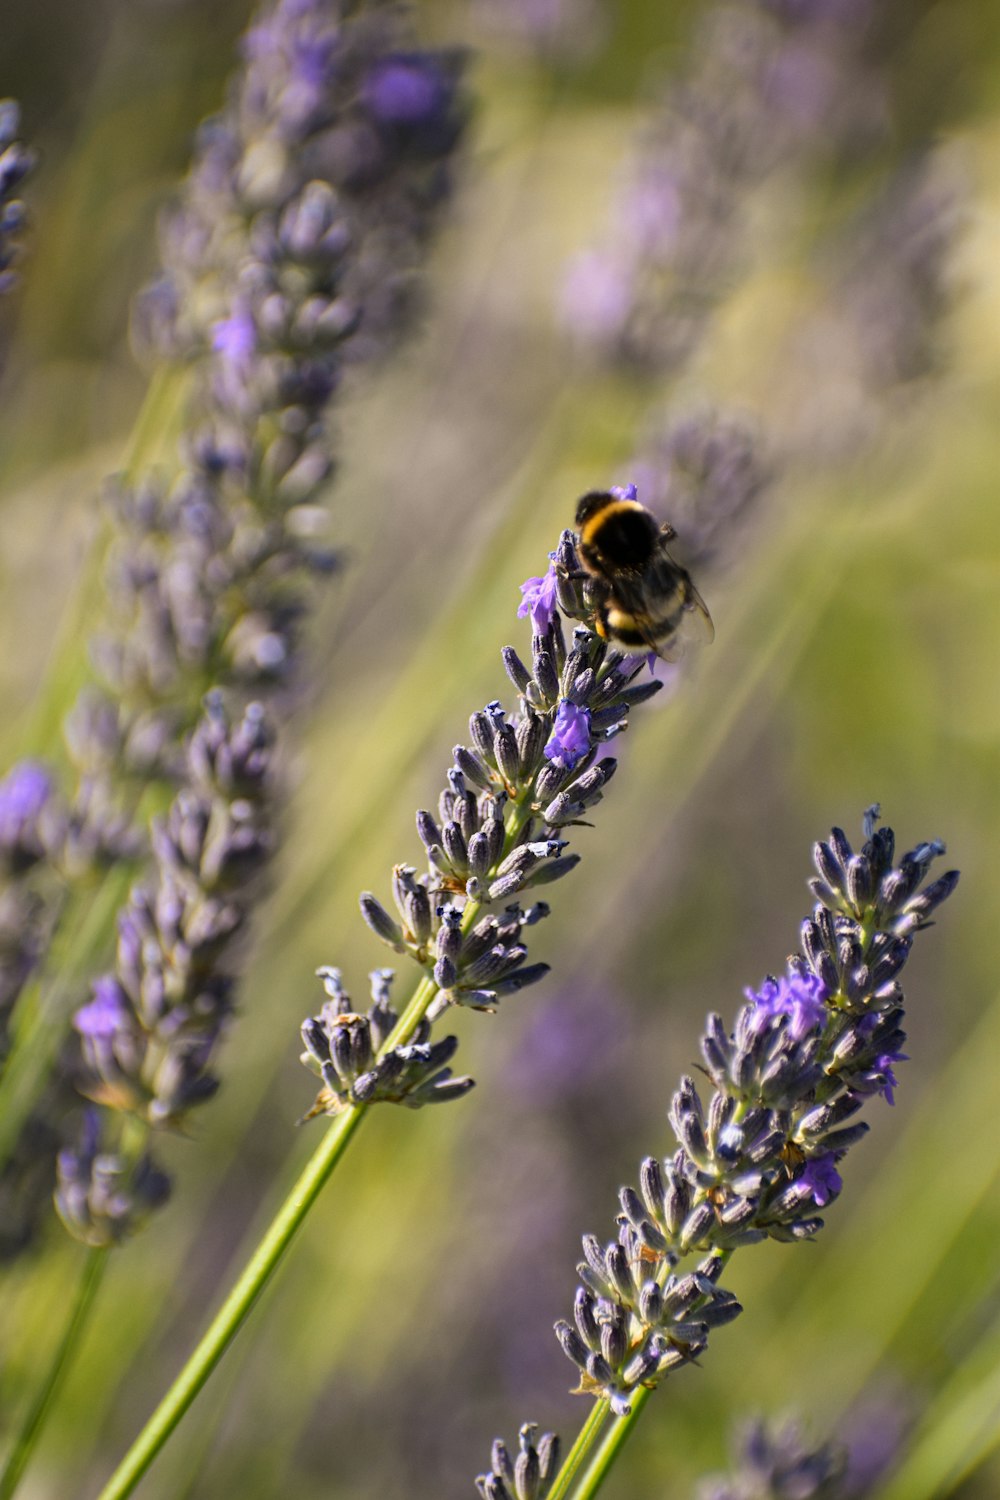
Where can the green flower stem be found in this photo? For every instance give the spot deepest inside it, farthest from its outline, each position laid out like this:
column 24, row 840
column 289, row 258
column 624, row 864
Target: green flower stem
column 575, row 1458
column 94, row 1267
column 231, row 1315
column 614, row 1440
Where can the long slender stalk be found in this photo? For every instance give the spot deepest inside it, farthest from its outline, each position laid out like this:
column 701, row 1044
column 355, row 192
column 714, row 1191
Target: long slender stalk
column 612, row 1444
column 577, row 1455
column 91, row 1277
column 234, row 1310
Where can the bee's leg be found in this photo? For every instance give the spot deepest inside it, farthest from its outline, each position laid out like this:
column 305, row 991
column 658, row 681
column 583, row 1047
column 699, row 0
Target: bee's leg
column 667, row 532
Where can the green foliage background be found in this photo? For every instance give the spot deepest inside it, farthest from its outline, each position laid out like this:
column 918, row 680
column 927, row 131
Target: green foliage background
column 856, row 659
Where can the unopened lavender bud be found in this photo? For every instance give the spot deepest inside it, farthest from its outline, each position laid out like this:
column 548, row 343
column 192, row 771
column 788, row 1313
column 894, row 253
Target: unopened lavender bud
column 505, row 751
column 546, row 676
column 428, row 829
column 860, row 886
column 481, row 733
column 552, row 870
column 380, row 922
column 515, row 668
column 472, row 767
column 445, row 974
column 455, row 848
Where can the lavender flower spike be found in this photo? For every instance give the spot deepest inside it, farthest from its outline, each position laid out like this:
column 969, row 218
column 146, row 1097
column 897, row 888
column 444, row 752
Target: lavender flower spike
column 500, row 832
column 762, row 1154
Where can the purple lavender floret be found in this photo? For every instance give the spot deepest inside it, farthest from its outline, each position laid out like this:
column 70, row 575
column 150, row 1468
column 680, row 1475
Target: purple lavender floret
column 103, row 1016
column 539, row 598
column 795, row 996
column 821, row 1179
column 569, row 741
column 762, row 1154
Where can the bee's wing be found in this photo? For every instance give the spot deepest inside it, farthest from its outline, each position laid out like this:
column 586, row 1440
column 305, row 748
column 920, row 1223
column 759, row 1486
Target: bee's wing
column 696, row 612
column 672, row 599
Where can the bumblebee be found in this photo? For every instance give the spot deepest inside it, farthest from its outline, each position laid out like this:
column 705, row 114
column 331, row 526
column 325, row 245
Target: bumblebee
column 646, row 600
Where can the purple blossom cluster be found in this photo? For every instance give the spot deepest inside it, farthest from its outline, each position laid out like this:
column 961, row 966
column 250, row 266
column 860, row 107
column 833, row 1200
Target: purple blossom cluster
column 16, row 161
column 762, row 1155
column 501, row 828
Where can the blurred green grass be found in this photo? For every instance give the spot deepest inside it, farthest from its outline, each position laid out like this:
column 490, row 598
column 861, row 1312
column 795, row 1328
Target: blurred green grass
column 856, row 658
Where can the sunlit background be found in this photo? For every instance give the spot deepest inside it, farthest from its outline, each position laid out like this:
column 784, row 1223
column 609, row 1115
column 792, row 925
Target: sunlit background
column 856, row 600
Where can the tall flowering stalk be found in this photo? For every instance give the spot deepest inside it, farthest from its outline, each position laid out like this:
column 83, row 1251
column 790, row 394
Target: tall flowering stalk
column 501, row 831
column 762, row 1154
column 291, row 257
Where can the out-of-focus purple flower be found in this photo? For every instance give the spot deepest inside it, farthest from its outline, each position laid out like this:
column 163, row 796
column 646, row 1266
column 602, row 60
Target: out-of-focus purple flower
column 24, row 791
column 26, row 797
column 539, row 599
column 106, row 1012
column 570, row 738
column 413, row 91
column 235, row 337
column 822, row 1179
column 799, row 996
column 101, row 1196
column 625, row 491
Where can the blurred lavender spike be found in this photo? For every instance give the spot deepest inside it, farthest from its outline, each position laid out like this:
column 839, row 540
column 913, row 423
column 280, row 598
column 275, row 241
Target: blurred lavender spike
column 775, row 1461
column 762, row 1154
column 768, row 84
column 151, row 1030
column 16, row 161
column 291, row 257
